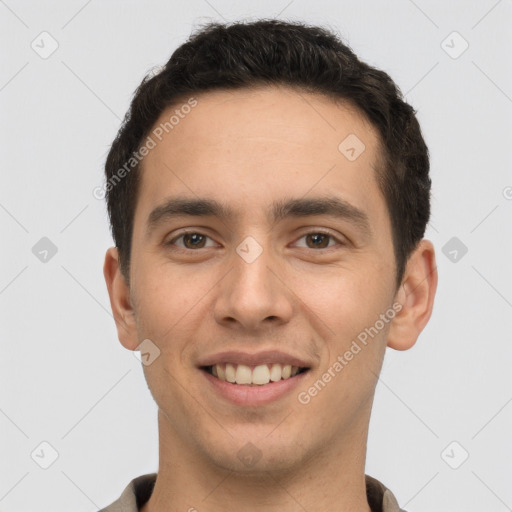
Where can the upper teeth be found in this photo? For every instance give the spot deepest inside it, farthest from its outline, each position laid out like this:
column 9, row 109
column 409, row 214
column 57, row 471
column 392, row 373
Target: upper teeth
column 260, row 375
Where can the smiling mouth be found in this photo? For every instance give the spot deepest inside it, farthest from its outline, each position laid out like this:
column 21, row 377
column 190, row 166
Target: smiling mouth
column 260, row 375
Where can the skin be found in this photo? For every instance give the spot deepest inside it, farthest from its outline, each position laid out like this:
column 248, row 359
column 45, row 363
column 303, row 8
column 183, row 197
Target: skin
column 249, row 148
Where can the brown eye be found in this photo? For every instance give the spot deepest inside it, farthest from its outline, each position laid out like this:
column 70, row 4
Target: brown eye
column 319, row 240
column 194, row 239
column 190, row 240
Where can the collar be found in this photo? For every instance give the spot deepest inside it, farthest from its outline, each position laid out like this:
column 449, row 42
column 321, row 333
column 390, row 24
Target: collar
column 139, row 490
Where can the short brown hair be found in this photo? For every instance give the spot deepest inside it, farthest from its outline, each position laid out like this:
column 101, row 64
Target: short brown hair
column 242, row 55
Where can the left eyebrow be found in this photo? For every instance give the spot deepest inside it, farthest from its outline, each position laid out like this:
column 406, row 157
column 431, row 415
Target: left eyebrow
column 332, row 206
column 279, row 210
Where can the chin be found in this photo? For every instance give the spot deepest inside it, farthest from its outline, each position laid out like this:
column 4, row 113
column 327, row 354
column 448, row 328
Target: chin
column 253, row 455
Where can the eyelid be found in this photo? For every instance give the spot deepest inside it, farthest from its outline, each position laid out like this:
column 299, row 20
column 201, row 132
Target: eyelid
column 187, row 232
column 323, row 231
column 315, row 231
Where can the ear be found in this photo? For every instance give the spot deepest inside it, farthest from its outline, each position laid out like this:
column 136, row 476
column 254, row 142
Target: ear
column 416, row 296
column 120, row 302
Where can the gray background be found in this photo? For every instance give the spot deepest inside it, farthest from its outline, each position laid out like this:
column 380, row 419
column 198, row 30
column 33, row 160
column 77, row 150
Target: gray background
column 65, row 378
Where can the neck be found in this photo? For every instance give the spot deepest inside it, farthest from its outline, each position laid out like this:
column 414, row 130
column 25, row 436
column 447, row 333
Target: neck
column 332, row 479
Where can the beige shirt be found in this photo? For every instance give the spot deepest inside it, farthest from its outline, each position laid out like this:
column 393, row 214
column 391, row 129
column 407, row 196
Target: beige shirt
column 139, row 490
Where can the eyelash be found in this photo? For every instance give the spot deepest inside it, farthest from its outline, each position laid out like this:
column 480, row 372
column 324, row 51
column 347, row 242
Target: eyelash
column 315, row 232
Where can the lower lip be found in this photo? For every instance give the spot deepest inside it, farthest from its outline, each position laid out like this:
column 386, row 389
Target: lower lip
column 254, row 395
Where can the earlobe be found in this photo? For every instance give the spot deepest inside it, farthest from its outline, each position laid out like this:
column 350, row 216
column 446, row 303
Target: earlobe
column 120, row 301
column 416, row 297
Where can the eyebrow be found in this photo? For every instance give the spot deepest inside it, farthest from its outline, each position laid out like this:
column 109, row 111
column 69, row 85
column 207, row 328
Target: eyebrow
column 279, row 210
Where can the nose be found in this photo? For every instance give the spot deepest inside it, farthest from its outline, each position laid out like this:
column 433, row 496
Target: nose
column 254, row 294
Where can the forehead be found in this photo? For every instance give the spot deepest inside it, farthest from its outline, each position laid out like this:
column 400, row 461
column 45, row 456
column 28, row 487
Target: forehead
column 252, row 147
column 270, row 117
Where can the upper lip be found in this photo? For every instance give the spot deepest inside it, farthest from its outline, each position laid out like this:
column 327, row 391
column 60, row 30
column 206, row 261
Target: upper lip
column 255, row 359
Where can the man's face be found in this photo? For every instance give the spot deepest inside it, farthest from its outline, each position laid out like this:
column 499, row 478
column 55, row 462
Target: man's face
column 303, row 285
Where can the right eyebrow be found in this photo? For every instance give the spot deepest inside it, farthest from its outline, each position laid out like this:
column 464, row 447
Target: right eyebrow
column 181, row 207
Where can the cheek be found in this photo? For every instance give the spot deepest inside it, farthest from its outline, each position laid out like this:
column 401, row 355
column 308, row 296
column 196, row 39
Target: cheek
column 171, row 304
column 355, row 345
column 347, row 300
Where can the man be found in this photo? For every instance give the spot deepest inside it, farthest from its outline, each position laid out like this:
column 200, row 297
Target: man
column 268, row 195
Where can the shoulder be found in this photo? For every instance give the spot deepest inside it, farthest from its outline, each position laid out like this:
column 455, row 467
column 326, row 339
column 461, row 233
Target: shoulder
column 380, row 498
column 136, row 494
